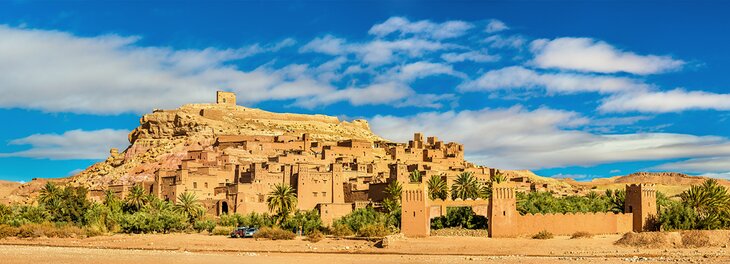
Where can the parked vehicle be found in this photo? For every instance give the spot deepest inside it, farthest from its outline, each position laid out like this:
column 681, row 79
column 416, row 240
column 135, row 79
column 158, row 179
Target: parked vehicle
column 239, row 232
column 250, row 232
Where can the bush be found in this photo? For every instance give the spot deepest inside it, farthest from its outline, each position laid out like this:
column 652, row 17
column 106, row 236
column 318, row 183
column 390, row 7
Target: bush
column 222, row 230
column 315, row 236
column 274, row 233
column 8, row 231
column 66, row 231
column 360, row 218
column 461, row 217
column 340, row 230
column 204, row 225
column 373, row 230
column 645, row 239
column 307, row 221
column 33, row 230
column 581, row 234
column 695, row 238
column 162, row 222
column 544, row 234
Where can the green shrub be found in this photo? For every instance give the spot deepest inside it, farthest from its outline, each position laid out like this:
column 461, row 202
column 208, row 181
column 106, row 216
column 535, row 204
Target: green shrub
column 360, row 218
column 274, row 233
column 250, row 220
column 8, row 231
column 222, row 230
column 315, row 236
column 204, row 225
column 307, row 221
column 340, row 230
column 461, row 217
column 373, row 230
column 543, row 235
column 159, row 222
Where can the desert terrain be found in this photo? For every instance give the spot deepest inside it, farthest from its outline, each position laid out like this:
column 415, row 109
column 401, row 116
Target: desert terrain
column 199, row 248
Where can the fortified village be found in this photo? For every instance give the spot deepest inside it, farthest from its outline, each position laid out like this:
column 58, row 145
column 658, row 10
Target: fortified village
column 230, row 157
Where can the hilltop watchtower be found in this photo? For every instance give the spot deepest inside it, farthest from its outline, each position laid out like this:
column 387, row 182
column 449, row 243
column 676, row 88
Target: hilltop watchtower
column 225, row 98
column 641, row 202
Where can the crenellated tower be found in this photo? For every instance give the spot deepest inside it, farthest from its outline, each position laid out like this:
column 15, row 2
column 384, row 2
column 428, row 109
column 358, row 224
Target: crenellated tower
column 641, row 202
column 415, row 219
column 502, row 210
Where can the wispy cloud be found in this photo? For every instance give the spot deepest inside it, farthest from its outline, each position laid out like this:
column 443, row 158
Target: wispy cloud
column 74, row 144
column 589, row 55
column 517, row 77
column 676, row 100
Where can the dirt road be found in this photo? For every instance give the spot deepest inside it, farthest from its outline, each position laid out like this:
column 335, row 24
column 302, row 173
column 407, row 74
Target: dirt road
column 198, row 248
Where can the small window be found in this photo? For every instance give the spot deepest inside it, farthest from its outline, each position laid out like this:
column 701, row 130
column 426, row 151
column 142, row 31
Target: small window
column 504, row 213
column 195, row 185
column 324, row 194
column 314, row 194
column 206, row 185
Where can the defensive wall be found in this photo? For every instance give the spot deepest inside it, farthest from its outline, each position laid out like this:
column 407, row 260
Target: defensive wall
column 506, row 221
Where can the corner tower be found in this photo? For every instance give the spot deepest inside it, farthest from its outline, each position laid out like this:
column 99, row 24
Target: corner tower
column 641, row 202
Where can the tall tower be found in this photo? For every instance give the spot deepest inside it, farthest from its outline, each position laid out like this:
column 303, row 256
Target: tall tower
column 502, row 210
column 415, row 212
column 641, row 202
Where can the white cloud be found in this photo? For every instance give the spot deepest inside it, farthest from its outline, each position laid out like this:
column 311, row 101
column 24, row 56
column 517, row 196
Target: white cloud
column 517, row 77
column 474, row 56
column 500, row 42
column 327, row 45
column 57, row 72
column 516, row 138
column 699, row 165
column 495, row 26
column 74, row 144
column 676, row 100
column 589, row 55
column 425, row 28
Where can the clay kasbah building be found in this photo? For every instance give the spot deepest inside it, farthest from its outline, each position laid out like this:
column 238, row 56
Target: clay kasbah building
column 234, row 173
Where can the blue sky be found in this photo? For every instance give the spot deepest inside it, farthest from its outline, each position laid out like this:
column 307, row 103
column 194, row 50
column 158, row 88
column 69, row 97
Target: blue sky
column 567, row 88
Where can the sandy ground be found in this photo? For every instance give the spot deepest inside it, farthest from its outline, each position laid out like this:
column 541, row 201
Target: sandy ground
column 197, row 248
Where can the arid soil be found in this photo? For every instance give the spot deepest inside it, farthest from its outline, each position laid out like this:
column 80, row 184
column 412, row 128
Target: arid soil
column 197, row 248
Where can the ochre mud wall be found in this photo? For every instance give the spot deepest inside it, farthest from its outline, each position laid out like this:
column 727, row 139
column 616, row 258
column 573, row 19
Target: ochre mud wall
column 562, row 224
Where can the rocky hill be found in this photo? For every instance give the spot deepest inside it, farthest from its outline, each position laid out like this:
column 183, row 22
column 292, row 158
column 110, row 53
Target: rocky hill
column 164, row 136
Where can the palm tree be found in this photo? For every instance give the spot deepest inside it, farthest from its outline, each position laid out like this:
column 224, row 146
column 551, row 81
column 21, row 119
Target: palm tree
column 415, row 176
column 393, row 192
column 437, row 188
column 282, row 200
column 466, row 186
column 187, row 204
column 616, row 200
column 137, row 198
column 710, row 201
column 49, row 193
